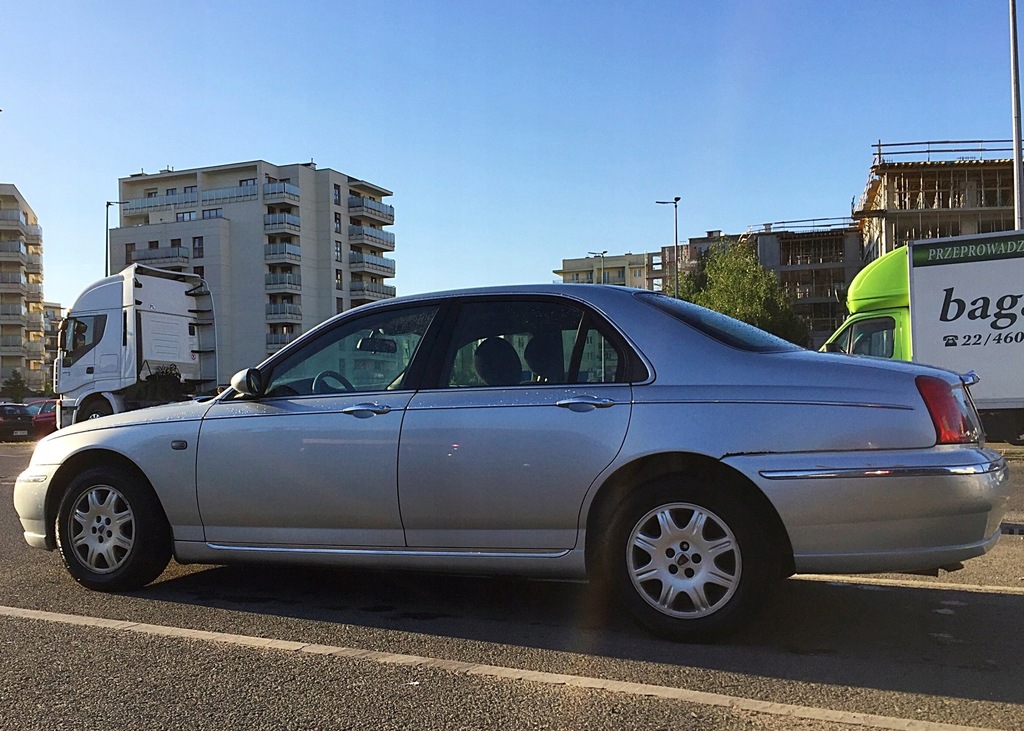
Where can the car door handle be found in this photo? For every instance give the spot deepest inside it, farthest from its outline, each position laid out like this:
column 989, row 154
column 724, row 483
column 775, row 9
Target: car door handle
column 580, row 404
column 366, row 410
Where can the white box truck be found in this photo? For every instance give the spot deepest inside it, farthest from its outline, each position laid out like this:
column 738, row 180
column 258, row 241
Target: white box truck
column 954, row 302
column 139, row 338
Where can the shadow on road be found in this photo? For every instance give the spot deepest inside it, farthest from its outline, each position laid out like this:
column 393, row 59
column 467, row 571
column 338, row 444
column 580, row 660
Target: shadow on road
column 906, row 639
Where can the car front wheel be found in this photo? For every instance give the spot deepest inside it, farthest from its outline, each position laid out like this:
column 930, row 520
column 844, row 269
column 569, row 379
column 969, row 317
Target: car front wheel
column 111, row 532
column 689, row 562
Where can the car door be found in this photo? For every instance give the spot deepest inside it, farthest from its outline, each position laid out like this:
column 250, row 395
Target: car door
column 312, row 462
column 530, row 404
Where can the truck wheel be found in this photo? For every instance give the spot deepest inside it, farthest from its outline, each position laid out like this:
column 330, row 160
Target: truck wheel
column 111, row 531
column 689, row 561
column 94, row 410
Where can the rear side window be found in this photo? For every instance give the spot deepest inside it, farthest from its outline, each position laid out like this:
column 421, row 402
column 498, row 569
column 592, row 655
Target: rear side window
column 532, row 342
column 721, row 327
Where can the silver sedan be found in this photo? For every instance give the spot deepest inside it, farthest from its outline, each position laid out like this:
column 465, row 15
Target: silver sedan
column 679, row 459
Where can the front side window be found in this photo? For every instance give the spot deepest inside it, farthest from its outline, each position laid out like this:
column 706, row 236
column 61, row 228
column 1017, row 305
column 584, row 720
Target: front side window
column 873, row 337
column 80, row 335
column 529, row 343
column 370, row 353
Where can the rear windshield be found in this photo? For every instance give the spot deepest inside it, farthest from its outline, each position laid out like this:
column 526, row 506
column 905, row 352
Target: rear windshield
column 721, row 327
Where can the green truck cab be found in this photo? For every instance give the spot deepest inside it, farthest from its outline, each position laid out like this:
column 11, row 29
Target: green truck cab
column 956, row 303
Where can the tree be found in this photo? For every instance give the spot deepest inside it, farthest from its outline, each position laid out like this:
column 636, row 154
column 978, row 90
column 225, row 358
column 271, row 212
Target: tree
column 729, row 279
column 15, row 387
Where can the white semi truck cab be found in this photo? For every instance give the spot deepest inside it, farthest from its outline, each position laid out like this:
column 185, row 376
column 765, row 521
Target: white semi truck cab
column 141, row 337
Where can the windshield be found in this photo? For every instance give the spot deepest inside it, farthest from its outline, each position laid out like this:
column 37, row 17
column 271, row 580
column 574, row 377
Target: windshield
column 721, row 327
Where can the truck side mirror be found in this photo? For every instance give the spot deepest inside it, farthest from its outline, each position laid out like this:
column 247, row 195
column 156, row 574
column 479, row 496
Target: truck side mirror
column 248, row 382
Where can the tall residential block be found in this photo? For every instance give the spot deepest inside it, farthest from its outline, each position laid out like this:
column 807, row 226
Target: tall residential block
column 21, row 291
column 282, row 247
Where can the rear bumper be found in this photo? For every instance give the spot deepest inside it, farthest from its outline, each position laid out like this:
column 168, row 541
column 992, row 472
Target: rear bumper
column 864, row 512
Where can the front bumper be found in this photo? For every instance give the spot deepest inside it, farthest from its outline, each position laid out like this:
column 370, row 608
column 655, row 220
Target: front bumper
column 30, row 501
column 866, row 512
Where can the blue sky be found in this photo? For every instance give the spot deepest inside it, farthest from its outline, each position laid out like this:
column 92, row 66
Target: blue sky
column 512, row 134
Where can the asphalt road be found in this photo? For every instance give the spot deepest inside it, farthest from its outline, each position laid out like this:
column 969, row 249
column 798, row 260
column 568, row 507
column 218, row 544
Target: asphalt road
column 257, row 648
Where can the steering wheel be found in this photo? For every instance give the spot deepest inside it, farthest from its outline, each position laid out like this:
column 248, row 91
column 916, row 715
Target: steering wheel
column 321, row 385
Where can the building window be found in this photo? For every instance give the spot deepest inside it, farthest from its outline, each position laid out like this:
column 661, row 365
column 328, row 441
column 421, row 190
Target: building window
column 201, row 271
column 154, row 244
column 152, row 192
column 337, row 194
column 176, row 243
column 339, row 251
column 129, row 252
column 197, row 247
column 338, row 279
column 337, row 223
column 339, row 304
column 189, row 189
column 213, row 213
column 171, row 191
column 185, row 216
column 247, row 181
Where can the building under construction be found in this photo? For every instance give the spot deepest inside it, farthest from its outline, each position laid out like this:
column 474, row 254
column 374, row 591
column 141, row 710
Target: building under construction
column 815, row 260
column 923, row 190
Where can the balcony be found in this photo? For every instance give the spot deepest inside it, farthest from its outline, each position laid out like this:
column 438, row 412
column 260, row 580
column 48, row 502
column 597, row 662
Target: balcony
column 14, row 282
column 162, row 256
column 369, row 236
column 34, row 320
column 280, row 192
column 277, row 253
column 34, row 265
column 13, row 315
column 12, row 345
column 280, row 222
column 276, row 341
column 160, row 202
column 15, row 251
column 283, row 282
column 371, row 291
column 34, row 292
column 34, row 349
column 233, row 193
column 284, row 313
column 360, row 207
column 370, row 263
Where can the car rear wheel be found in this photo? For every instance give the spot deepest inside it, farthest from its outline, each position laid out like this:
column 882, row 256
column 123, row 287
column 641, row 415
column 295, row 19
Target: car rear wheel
column 111, row 532
column 688, row 561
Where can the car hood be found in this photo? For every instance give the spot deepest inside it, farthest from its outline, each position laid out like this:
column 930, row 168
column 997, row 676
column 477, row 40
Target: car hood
column 178, row 411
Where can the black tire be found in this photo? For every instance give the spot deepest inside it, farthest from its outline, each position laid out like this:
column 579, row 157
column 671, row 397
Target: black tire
column 688, row 561
column 94, row 410
column 111, row 531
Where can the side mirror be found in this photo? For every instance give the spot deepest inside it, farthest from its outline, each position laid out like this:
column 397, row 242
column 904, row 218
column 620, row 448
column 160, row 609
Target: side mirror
column 248, row 382
column 833, row 348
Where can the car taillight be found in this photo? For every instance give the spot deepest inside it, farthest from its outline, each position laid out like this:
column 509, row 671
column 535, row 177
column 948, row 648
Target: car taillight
column 950, row 416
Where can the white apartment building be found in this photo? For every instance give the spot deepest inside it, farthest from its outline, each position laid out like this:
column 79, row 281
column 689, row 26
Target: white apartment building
column 281, row 247
column 21, row 291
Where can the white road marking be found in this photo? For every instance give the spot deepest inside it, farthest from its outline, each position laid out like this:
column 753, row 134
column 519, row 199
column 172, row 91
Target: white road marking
column 810, row 713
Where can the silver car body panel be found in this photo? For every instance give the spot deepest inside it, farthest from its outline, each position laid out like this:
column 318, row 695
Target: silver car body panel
column 458, row 490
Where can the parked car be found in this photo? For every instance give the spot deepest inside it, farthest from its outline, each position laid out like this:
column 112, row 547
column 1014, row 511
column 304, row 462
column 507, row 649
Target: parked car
column 15, row 422
column 44, row 416
column 680, row 459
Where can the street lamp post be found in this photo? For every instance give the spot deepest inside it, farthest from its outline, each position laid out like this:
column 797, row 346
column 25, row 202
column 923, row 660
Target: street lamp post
column 106, row 252
column 675, row 241
column 600, row 254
